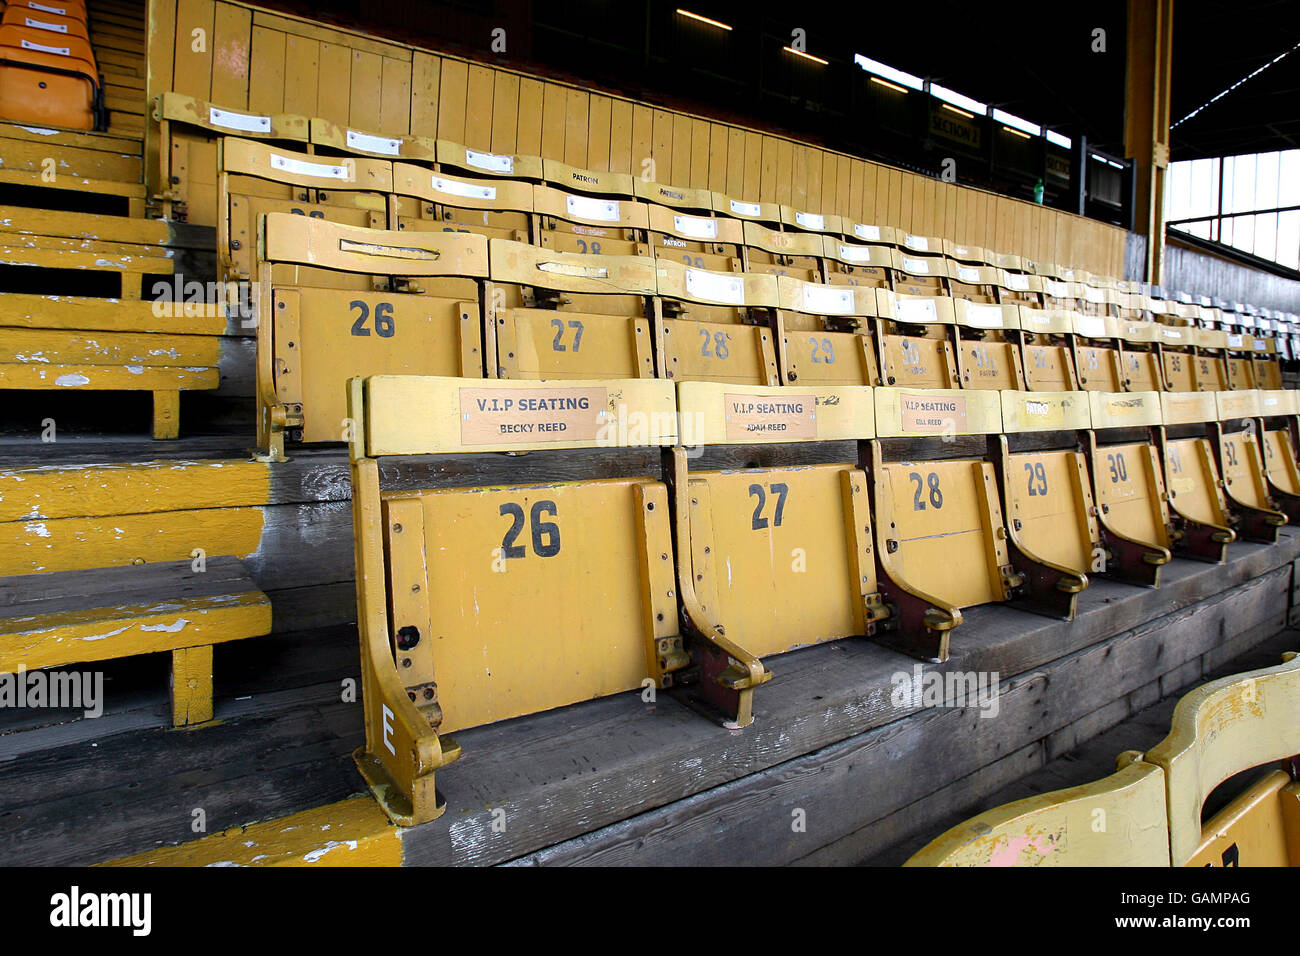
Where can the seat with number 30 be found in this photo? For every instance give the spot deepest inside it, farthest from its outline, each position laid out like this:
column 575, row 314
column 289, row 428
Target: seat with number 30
column 1128, row 485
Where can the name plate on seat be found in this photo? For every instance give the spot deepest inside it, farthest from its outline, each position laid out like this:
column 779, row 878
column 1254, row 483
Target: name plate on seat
column 414, row 414
column 911, row 413
column 1187, row 408
column 490, row 162
column 1239, row 404
column 1124, row 409
column 817, row 299
column 1046, row 321
column 713, row 413
column 678, row 281
column 369, row 143
column 240, row 121
column 1044, row 411
column 1279, row 402
column 525, row 264
column 986, row 316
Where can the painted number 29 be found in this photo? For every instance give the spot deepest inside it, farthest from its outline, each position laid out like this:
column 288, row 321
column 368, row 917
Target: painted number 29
column 1037, row 479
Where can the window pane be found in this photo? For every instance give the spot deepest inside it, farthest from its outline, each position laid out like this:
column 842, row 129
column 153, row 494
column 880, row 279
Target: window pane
column 1288, row 239
column 1242, row 198
column 1289, row 191
column 1243, row 233
column 1266, row 236
column 1266, row 181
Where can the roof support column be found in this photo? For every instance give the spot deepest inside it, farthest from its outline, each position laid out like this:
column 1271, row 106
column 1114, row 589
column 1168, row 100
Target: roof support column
column 1146, row 120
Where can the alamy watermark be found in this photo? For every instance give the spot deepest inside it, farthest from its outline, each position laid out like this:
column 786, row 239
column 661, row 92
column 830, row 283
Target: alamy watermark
column 181, row 298
column 72, row 690
column 921, row 688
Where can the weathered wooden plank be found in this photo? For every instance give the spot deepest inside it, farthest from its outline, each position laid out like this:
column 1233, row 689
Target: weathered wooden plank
column 64, row 591
column 860, row 779
column 91, row 815
column 818, row 696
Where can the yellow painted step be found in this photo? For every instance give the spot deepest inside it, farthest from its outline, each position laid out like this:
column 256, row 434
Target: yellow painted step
column 353, row 832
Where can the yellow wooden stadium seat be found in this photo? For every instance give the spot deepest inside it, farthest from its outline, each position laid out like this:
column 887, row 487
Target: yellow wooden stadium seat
column 1052, row 529
column 985, row 341
column 311, row 339
column 1128, row 485
column 436, row 201
column 915, row 342
column 685, row 228
column 1241, row 462
column 916, row 274
column 258, row 178
column 940, row 538
column 1219, row 730
column 1117, row 821
column 1149, row 812
column 1048, row 349
column 1240, row 360
column 715, row 326
column 450, row 570
column 850, row 262
column 796, row 253
column 1280, row 411
column 825, row 333
column 751, row 538
column 592, row 213
column 554, row 314
column 1177, row 348
column 1197, row 508
column 1140, row 357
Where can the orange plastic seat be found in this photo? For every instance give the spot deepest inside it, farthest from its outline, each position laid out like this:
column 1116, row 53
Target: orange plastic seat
column 47, row 78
